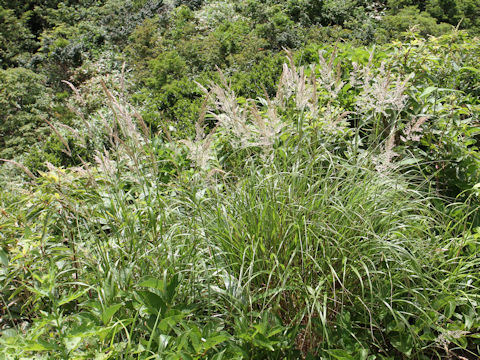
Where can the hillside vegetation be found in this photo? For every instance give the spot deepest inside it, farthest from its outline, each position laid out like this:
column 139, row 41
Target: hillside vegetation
column 239, row 179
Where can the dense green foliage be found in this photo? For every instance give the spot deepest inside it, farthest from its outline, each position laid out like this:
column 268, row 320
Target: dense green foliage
column 168, row 44
column 176, row 184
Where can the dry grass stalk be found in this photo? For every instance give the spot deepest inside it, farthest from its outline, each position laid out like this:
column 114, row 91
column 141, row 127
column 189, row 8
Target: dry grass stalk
column 122, row 117
column 75, row 110
column 78, row 96
column 61, row 138
column 143, row 125
column 21, row 166
column 73, row 131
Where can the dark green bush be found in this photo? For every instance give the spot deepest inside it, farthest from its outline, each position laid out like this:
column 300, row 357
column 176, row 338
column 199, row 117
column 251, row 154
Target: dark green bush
column 24, row 107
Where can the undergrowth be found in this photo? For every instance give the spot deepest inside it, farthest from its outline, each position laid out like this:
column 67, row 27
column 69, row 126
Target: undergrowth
column 280, row 231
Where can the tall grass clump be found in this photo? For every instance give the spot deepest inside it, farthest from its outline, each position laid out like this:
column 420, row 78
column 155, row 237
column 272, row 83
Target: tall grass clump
column 280, row 232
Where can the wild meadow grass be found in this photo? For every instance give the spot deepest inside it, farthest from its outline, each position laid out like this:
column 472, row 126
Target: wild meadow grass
column 274, row 235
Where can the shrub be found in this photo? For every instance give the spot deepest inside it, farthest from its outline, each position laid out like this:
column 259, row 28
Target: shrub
column 24, row 106
column 409, row 17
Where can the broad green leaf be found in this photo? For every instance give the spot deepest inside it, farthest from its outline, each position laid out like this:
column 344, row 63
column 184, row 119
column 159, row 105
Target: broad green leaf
column 72, row 297
column 470, row 68
column 171, row 288
column 39, row 345
column 215, row 340
column 3, row 257
column 263, row 342
column 340, row 354
column 163, row 341
column 196, row 341
column 108, row 313
column 71, row 343
column 153, row 283
column 403, row 342
column 428, row 91
column 469, row 320
column 450, row 309
column 153, row 302
column 170, row 322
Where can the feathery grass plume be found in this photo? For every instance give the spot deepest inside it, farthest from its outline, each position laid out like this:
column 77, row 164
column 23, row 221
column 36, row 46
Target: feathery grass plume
column 293, row 82
column 413, row 129
column 200, row 150
column 243, row 123
column 267, row 128
column 381, row 90
column 106, row 165
column 330, row 84
column 123, row 117
column 315, row 93
column 315, row 96
column 230, row 115
column 383, row 161
column 330, row 76
column 119, row 125
column 302, row 92
column 287, row 83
